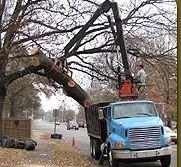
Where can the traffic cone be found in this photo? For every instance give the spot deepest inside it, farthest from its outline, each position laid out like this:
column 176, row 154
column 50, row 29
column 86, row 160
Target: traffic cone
column 73, row 142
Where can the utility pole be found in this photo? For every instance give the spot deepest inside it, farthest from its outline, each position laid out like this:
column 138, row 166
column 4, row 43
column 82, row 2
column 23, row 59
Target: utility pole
column 55, row 114
column 63, row 111
column 75, row 116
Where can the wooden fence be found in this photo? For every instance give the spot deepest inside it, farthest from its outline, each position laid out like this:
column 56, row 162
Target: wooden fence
column 16, row 128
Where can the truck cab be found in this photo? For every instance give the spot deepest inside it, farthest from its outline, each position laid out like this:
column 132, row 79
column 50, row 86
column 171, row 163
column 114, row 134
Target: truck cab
column 128, row 131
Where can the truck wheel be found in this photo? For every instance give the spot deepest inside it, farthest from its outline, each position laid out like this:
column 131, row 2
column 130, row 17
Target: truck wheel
column 165, row 160
column 96, row 149
column 91, row 147
column 113, row 162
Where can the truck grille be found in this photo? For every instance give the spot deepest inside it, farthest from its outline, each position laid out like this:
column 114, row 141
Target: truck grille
column 144, row 138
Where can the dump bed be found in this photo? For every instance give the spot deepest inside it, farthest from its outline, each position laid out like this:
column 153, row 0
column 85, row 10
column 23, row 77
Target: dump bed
column 96, row 128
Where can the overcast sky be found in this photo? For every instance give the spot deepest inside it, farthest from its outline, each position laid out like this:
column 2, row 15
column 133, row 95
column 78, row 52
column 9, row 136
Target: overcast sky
column 56, row 101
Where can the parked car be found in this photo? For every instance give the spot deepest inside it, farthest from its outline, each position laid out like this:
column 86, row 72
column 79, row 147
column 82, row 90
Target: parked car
column 81, row 124
column 172, row 133
column 72, row 125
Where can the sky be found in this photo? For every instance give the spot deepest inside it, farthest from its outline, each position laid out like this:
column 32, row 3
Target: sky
column 56, row 101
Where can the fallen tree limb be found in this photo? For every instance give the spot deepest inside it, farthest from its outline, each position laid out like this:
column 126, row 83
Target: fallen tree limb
column 60, row 76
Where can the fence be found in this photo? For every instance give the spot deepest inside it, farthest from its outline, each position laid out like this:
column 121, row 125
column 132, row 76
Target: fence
column 16, row 128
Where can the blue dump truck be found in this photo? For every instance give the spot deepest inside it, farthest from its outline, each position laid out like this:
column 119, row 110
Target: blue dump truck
column 129, row 130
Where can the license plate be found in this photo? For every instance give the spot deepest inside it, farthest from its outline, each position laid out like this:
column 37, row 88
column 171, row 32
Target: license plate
column 139, row 154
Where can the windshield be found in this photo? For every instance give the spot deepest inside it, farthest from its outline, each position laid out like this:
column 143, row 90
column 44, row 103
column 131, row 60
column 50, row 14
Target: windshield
column 134, row 110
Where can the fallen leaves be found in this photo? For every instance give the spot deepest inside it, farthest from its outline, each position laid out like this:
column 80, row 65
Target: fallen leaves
column 12, row 157
column 66, row 156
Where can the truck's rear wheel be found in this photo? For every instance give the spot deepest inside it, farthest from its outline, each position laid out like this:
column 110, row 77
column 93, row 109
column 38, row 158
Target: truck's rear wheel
column 96, row 149
column 165, row 160
column 91, row 147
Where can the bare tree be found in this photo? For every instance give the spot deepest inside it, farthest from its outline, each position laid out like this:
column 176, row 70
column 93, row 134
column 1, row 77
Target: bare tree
column 51, row 24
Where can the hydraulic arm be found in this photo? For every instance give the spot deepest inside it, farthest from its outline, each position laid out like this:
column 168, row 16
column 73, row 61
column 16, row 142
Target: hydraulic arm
column 127, row 86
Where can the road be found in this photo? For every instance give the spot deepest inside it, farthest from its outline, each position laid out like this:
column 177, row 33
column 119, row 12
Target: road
column 82, row 142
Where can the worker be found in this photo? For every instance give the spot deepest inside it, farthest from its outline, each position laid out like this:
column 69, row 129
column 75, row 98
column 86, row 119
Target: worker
column 141, row 75
column 140, row 79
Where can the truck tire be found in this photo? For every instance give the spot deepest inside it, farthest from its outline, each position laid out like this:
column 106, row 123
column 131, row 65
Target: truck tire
column 91, row 148
column 113, row 162
column 96, row 149
column 165, row 160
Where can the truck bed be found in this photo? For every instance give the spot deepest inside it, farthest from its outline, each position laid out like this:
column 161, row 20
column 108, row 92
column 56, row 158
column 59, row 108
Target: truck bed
column 96, row 128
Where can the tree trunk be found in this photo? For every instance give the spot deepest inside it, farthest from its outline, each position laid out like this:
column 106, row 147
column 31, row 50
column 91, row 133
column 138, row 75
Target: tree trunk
column 2, row 98
column 59, row 75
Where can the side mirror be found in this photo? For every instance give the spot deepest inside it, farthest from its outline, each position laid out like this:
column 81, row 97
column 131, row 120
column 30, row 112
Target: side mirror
column 101, row 114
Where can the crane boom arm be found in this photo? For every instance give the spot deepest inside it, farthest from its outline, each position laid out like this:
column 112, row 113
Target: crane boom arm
column 104, row 8
column 106, row 5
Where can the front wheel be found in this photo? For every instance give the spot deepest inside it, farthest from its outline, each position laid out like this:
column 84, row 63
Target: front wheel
column 113, row 162
column 165, row 160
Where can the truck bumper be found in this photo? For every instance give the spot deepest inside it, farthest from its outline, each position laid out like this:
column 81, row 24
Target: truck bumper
column 127, row 154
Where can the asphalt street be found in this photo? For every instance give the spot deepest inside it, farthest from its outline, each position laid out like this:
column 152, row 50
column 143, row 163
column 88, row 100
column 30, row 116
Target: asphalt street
column 81, row 141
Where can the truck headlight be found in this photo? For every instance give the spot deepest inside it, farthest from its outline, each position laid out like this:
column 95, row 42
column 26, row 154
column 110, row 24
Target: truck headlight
column 168, row 141
column 118, row 145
